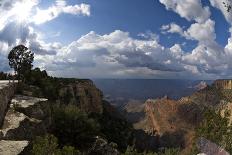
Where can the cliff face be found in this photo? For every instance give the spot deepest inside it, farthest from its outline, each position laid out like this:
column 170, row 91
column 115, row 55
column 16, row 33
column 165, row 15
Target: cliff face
column 162, row 116
column 174, row 121
column 84, row 94
column 223, row 84
column 6, row 92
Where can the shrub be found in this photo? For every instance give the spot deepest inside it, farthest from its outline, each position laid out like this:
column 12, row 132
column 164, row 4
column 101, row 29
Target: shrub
column 167, row 151
column 116, row 130
column 48, row 145
column 73, row 127
column 45, row 145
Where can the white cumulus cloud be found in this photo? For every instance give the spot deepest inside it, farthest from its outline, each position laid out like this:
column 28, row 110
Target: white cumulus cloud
column 53, row 12
column 188, row 9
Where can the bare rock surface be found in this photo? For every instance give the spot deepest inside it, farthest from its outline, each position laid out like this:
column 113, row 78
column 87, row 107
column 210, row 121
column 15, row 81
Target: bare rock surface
column 19, row 128
column 12, row 121
column 6, row 92
column 84, row 94
column 209, row 148
column 26, row 101
column 12, row 147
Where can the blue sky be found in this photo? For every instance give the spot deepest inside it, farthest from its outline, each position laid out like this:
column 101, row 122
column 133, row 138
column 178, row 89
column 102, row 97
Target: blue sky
column 121, row 38
column 132, row 16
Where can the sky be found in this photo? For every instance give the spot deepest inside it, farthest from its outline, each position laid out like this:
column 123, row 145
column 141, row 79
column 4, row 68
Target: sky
column 151, row 39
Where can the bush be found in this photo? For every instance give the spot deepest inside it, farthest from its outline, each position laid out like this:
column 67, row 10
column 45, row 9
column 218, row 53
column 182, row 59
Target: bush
column 48, row 85
column 45, row 145
column 48, row 145
column 116, row 130
column 167, row 151
column 69, row 150
column 170, row 151
column 73, row 127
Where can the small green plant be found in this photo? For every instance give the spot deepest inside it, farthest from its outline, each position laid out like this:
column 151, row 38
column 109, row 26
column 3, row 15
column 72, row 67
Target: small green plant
column 167, row 151
column 48, row 145
column 45, row 145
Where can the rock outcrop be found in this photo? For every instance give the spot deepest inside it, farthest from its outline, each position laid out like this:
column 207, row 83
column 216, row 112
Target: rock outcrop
column 164, row 118
column 84, row 94
column 200, row 85
column 12, row 147
column 26, row 118
column 207, row 147
column 223, row 84
column 6, row 92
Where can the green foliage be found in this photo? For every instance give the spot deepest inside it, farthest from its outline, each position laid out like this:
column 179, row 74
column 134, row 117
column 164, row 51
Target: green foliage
column 21, row 59
column 69, row 150
column 36, row 76
column 49, row 86
column 48, row 145
column 45, row 145
column 167, row 151
column 170, row 151
column 116, row 130
column 73, row 127
column 217, row 129
column 131, row 151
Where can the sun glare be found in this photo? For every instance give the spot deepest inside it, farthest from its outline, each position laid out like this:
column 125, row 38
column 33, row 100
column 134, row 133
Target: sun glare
column 22, row 10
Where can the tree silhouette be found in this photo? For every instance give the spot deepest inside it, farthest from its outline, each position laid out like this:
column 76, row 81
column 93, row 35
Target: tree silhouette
column 21, row 59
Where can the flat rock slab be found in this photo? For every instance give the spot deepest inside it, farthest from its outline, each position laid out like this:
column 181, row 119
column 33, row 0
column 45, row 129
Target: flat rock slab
column 26, row 101
column 14, row 118
column 12, row 121
column 12, row 147
column 5, row 83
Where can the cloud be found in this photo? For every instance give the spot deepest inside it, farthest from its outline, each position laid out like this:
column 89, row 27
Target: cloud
column 15, row 28
column 219, row 5
column 208, row 58
column 188, row 9
column 114, row 54
column 117, row 54
column 202, row 32
column 13, row 31
column 172, row 28
column 60, row 7
column 28, row 11
column 15, row 11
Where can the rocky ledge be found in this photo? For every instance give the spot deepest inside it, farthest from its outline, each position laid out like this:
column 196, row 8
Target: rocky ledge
column 6, row 92
column 25, row 119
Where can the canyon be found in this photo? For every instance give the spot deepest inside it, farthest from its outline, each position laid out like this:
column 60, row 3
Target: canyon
column 160, row 122
column 173, row 122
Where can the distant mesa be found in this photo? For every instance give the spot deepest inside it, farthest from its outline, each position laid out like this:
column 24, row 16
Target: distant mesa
column 223, row 84
column 201, row 85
